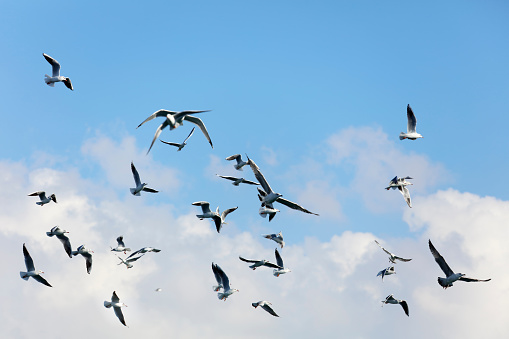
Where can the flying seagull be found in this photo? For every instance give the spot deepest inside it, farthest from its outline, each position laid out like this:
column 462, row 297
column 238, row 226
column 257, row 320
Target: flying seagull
column 207, row 213
column 265, row 305
column 144, row 250
column 386, row 271
column 56, row 77
column 401, row 184
column 276, row 237
column 174, row 120
column 127, row 262
column 392, row 257
column 29, row 263
column 278, row 271
column 60, row 233
column 391, row 300
column 43, row 198
column 87, row 254
column 116, row 304
column 225, row 283
column 217, row 274
column 410, row 129
column 267, row 196
column 258, row 263
column 139, row 186
column 240, row 163
column 451, row 277
column 267, row 210
column 121, row 246
column 183, row 144
column 237, row 181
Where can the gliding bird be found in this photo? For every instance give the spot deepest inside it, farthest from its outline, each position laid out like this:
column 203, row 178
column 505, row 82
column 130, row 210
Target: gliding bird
column 127, row 262
column 237, row 181
column 121, row 246
column 43, row 198
column 207, row 213
column 29, row 263
column 276, row 237
column 225, row 283
column 180, row 146
column 278, row 271
column 392, row 257
column 386, row 271
column 265, row 305
column 258, row 263
column 410, row 129
column 56, row 77
column 60, row 233
column 139, row 186
column 116, row 304
column 240, row 163
column 400, row 184
column 144, row 250
column 87, row 254
column 391, row 300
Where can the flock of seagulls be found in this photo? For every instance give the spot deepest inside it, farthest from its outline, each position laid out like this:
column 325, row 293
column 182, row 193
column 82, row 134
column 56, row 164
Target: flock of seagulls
column 266, row 196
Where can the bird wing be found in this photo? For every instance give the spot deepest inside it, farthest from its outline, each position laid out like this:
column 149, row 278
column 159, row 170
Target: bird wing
column 228, row 177
column 158, row 132
column 248, row 260
column 150, row 190
column 136, row 175
column 389, row 253
column 267, row 308
column 170, row 143
column 120, row 241
column 120, row 316
column 54, row 64
column 473, row 280
column 191, row 133
column 41, row 280
column 38, row 193
column 135, row 252
column 205, row 206
column 401, row 259
column 406, row 195
column 199, row 123
column 160, row 113
column 67, row 244
column 224, row 278
column 269, row 264
column 244, row 181
column 29, row 263
column 134, row 259
column 293, row 205
column 217, row 274
column 279, row 260
column 259, row 176
column 228, row 211
column 88, row 260
column 440, row 260
column 412, row 122
column 405, row 306
column 233, row 157
column 217, row 222
column 68, row 84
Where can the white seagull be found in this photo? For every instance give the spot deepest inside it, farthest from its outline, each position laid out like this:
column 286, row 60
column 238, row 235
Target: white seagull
column 60, row 233
column 87, row 254
column 225, row 283
column 29, row 263
column 391, row 300
column 267, row 196
column 240, row 163
column 392, row 257
column 144, row 250
column 386, row 271
column 451, row 277
column 183, row 144
column 127, row 262
column 278, row 271
column 237, row 181
column 267, row 210
column 174, row 120
column 258, row 263
column 43, row 198
column 116, row 304
column 276, row 237
column 265, row 305
column 139, row 186
column 207, row 213
column 400, row 184
column 217, row 274
column 121, row 246
column 56, row 77
column 410, row 129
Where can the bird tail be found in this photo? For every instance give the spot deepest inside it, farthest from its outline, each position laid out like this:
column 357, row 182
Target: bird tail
column 23, row 275
column 107, row 304
column 402, row 136
column 134, row 190
column 47, row 81
column 441, row 282
column 49, row 234
column 39, row 203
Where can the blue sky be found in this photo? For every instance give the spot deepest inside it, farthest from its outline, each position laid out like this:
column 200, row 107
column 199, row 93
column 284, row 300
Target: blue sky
column 315, row 93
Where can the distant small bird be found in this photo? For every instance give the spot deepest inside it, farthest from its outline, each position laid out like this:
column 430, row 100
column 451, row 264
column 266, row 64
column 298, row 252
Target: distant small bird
column 392, row 257
column 127, row 262
column 400, row 184
column 391, row 300
column 144, row 250
column 386, row 271
column 237, row 181
column 240, row 163
column 451, row 277
column 207, row 213
column 60, row 234
column 139, row 186
column 258, row 263
column 121, row 246
column 42, row 197
column 56, row 77
column 29, row 263
column 158, row 289
column 87, row 254
column 278, row 271
column 116, row 304
column 276, row 237
column 182, row 145
column 225, row 283
column 410, row 129
column 265, row 305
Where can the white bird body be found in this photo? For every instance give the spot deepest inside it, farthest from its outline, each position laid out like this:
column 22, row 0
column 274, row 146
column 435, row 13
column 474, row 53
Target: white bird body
column 60, row 234
column 266, row 210
column 386, row 271
column 117, row 307
column 207, row 213
column 276, row 237
column 139, row 185
column 56, row 77
column 223, row 282
column 43, row 198
column 121, row 246
column 411, row 123
column 278, row 271
column 391, row 300
column 87, row 254
column 31, row 271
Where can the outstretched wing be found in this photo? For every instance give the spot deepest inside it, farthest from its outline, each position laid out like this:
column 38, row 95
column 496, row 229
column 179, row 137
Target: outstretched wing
column 120, row 241
column 120, row 316
column 233, row 157
column 217, row 273
column 160, row 113
column 170, row 143
column 199, row 123
column 440, row 260
column 136, row 175
column 248, row 260
column 269, row 264
column 67, row 244
column 54, row 64
column 191, row 133
column 406, row 195
column 294, row 206
column 224, row 278
column 412, row 122
column 473, row 280
column 405, row 306
column 279, row 260
column 228, row 211
column 259, row 176
column 150, row 190
column 158, row 132
column 205, row 206
column 267, row 308
column 29, row 263
column 41, row 280
column 389, row 253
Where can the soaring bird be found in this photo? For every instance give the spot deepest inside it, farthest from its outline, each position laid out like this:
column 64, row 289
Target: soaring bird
column 278, row 271
column 224, row 283
column 43, row 198
column 139, row 186
column 391, row 300
column 410, row 129
column 276, row 237
column 127, row 262
column 56, row 77
column 401, row 184
column 207, row 213
column 60, row 234
column 386, row 271
column 29, row 263
column 174, row 120
column 116, row 304
column 265, row 305
column 237, row 181
column 258, row 263
column 144, row 250
column 267, row 196
column 121, row 246
column 240, row 163
column 87, row 254
column 183, row 144
column 451, row 277
column 392, row 257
